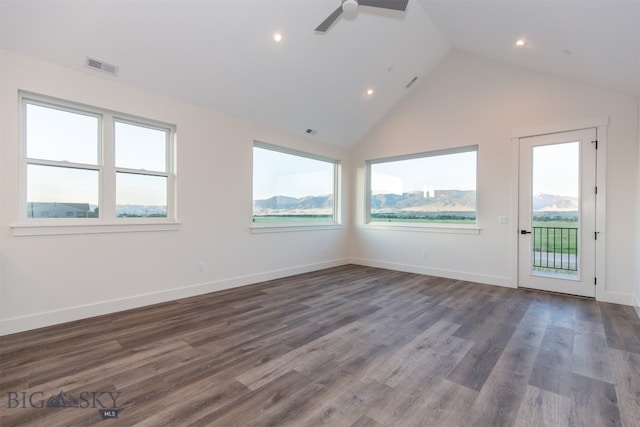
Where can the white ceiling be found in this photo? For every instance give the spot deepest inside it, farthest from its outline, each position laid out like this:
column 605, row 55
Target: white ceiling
column 221, row 53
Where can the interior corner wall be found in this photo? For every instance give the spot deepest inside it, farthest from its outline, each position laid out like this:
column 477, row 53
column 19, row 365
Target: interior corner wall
column 52, row 279
column 471, row 100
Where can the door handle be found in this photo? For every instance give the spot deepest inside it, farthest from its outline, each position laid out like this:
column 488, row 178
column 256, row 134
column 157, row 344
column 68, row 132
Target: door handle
column 525, row 232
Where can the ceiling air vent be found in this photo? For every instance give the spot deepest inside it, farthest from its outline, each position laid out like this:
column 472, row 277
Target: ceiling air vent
column 413, row 80
column 96, row 64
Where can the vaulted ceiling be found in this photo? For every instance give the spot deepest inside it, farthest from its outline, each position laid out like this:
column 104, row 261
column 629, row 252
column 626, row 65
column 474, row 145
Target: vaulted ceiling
column 221, row 53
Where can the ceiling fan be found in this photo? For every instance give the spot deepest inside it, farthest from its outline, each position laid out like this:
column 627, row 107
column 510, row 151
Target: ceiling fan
column 351, row 6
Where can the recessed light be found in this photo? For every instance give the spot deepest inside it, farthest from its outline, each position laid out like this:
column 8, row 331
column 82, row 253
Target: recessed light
column 521, row 42
column 277, row 37
column 369, row 92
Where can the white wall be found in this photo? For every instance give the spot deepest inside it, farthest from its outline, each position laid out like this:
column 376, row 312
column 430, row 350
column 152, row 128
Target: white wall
column 52, row 279
column 470, row 100
column 637, row 263
column 466, row 100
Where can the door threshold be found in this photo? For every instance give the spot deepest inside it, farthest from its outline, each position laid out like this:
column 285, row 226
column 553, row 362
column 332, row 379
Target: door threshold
column 556, row 293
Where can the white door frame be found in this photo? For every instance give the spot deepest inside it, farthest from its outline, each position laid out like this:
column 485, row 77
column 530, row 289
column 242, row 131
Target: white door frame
column 601, row 124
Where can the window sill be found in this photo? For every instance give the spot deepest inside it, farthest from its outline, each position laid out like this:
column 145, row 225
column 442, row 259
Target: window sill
column 425, row 228
column 61, row 229
column 287, row 228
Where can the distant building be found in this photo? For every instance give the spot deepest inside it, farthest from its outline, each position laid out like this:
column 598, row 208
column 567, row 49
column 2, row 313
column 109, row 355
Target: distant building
column 57, row 210
column 429, row 192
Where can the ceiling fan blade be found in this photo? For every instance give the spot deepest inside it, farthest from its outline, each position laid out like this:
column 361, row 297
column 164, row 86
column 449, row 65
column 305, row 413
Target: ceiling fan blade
column 385, row 4
column 330, row 20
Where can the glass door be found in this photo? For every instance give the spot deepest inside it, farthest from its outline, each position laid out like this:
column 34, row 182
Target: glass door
column 557, row 212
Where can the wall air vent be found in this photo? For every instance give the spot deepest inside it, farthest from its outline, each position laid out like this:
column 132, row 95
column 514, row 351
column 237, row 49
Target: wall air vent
column 96, row 64
column 413, row 80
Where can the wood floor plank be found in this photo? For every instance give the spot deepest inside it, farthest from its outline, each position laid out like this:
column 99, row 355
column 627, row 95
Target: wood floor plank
column 626, row 374
column 350, row 406
column 594, row 402
column 501, row 396
column 365, row 421
column 543, row 408
column 554, row 362
column 622, row 327
column 590, row 357
column 441, row 406
column 198, row 401
column 430, row 345
column 404, row 403
column 476, row 366
column 276, row 403
column 346, row 346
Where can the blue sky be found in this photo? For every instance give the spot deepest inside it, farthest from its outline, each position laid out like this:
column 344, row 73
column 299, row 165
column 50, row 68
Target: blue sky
column 445, row 172
column 556, row 168
column 281, row 174
column 65, row 136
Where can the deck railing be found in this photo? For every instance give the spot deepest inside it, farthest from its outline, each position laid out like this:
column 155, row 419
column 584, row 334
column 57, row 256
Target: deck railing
column 555, row 248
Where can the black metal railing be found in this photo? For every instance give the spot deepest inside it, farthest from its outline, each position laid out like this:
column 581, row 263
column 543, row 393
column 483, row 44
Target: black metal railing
column 555, row 248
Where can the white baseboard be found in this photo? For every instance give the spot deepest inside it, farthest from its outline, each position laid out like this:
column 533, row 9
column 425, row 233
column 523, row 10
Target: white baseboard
column 604, row 296
column 439, row 272
column 39, row 320
column 615, row 297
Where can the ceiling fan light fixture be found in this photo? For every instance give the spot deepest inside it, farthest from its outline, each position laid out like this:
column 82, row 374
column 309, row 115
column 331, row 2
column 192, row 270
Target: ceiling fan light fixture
column 350, row 7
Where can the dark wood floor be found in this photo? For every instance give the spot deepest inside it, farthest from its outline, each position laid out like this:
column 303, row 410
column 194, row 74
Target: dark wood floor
column 348, row 346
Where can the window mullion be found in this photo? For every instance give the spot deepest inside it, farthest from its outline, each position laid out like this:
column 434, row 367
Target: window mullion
column 63, row 164
column 337, row 184
column 170, row 168
column 107, row 170
column 140, row 172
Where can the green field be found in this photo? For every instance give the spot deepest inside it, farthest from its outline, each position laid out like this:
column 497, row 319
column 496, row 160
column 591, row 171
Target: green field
column 264, row 219
column 426, row 217
column 556, row 241
column 426, row 220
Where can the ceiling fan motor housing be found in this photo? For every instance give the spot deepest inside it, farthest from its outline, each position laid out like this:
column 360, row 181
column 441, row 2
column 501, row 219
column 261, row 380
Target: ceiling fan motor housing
column 350, row 7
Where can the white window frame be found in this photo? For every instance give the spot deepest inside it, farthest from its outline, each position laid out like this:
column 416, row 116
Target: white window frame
column 419, row 226
column 106, row 168
column 283, row 226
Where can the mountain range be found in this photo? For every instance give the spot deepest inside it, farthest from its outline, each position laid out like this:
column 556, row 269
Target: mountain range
column 418, row 201
column 280, row 204
column 554, row 203
column 414, row 201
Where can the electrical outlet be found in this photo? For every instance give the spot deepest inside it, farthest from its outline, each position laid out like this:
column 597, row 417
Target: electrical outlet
column 201, row 266
column 424, row 253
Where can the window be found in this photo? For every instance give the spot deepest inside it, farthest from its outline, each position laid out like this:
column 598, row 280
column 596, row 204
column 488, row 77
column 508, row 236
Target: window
column 94, row 166
column 436, row 187
column 293, row 187
column 141, row 170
